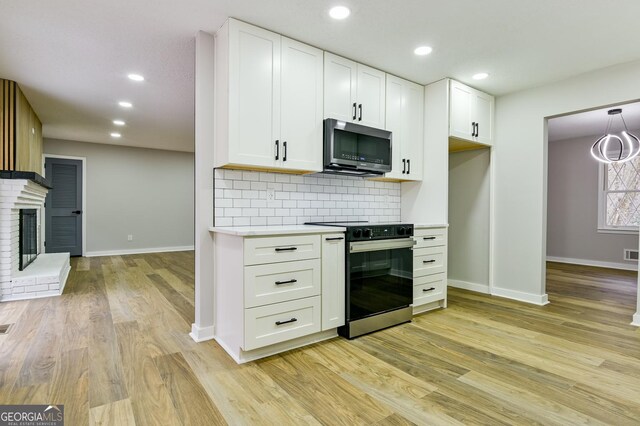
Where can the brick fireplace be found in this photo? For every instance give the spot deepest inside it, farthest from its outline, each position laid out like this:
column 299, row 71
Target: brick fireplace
column 25, row 272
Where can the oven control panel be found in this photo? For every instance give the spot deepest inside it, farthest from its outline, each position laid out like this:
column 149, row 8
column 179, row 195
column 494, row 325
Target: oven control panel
column 379, row 232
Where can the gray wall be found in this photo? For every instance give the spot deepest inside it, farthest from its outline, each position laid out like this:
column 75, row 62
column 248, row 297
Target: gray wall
column 144, row 192
column 469, row 186
column 572, row 206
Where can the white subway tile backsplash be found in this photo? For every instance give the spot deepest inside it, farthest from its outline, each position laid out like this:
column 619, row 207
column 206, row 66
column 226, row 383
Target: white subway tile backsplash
column 232, row 193
column 258, row 221
column 233, row 174
column 241, row 198
column 274, row 221
column 241, row 221
column 259, row 186
column 241, row 184
column 267, row 177
column 250, row 176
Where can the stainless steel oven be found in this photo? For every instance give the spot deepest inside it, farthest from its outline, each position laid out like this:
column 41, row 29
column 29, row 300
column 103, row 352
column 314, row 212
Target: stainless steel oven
column 379, row 285
column 378, row 275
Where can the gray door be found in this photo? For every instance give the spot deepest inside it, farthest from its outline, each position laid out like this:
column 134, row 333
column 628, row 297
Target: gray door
column 63, row 211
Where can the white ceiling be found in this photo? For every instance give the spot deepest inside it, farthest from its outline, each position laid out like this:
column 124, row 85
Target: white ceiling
column 592, row 123
column 72, row 56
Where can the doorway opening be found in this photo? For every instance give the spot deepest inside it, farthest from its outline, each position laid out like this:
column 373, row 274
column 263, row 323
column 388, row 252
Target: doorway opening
column 593, row 214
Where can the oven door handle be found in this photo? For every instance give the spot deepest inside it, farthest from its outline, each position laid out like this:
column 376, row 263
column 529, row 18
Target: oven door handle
column 376, row 245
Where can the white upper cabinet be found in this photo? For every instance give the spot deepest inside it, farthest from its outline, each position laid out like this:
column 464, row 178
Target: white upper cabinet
column 268, row 100
column 470, row 114
column 301, row 106
column 353, row 92
column 254, row 78
column 371, row 94
column 340, row 77
column 404, row 118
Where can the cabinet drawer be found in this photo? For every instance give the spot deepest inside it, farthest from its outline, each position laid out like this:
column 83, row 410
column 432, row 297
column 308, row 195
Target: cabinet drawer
column 429, row 288
column 267, row 325
column 279, row 282
column 429, row 260
column 281, row 249
column 430, row 237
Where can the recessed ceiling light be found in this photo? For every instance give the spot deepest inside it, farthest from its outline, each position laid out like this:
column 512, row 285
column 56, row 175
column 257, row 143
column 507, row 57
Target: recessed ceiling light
column 135, row 77
column 423, row 50
column 118, row 122
column 125, row 104
column 339, row 12
column 115, row 135
column 480, row 76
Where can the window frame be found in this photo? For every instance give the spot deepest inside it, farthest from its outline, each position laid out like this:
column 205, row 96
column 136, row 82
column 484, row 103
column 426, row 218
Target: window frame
column 602, row 206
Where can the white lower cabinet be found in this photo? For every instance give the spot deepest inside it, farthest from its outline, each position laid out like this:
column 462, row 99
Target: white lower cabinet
column 429, row 269
column 278, row 282
column 266, row 325
column 333, row 281
column 274, row 292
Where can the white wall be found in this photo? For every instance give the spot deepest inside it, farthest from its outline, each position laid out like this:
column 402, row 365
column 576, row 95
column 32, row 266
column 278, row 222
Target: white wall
column 520, row 169
column 572, row 209
column 469, row 232
column 147, row 193
column 203, row 327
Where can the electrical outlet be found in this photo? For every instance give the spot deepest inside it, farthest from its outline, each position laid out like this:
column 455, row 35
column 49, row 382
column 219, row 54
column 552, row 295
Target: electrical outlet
column 129, row 237
column 271, row 194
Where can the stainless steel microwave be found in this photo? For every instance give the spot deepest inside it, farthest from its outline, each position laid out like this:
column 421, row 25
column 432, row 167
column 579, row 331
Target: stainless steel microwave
column 356, row 150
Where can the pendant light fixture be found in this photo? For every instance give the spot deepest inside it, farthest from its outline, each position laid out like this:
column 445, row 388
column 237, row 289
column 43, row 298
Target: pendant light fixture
column 611, row 148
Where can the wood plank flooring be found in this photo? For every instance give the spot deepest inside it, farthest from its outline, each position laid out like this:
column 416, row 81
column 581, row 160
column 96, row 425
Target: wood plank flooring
column 114, row 350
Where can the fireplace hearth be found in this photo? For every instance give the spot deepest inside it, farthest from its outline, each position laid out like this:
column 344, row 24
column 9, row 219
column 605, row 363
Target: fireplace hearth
column 28, row 243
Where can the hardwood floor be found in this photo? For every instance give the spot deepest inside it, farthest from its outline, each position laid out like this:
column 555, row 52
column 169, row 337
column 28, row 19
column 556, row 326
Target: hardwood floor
column 114, row 349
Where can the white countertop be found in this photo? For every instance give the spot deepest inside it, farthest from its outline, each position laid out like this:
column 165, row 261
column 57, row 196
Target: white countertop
column 254, row 231
column 430, row 225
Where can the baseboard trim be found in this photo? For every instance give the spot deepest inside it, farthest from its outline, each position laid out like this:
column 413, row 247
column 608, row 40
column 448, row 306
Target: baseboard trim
column 201, row 334
column 588, row 262
column 138, row 251
column 465, row 285
column 636, row 319
column 536, row 299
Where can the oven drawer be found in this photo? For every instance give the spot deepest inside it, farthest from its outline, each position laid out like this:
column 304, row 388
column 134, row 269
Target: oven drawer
column 429, row 260
column 281, row 249
column 279, row 282
column 430, row 237
column 267, row 325
column 429, row 288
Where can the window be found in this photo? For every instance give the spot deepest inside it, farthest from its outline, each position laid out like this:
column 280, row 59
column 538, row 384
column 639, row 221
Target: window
column 619, row 197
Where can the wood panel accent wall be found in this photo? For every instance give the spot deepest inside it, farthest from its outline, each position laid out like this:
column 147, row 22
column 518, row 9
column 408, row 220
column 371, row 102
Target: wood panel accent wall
column 21, row 131
column 7, row 125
